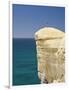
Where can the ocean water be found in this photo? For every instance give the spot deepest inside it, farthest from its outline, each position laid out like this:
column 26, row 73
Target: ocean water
column 24, row 62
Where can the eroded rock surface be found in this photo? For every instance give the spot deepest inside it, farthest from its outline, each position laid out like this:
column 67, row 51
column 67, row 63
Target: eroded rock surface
column 50, row 55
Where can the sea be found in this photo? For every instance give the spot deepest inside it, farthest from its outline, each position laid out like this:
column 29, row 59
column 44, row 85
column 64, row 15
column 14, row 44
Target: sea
column 24, row 62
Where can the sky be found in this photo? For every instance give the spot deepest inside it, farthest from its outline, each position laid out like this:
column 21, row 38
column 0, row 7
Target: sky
column 27, row 19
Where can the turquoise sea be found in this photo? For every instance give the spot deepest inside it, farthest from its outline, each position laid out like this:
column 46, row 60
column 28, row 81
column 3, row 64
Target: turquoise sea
column 24, row 62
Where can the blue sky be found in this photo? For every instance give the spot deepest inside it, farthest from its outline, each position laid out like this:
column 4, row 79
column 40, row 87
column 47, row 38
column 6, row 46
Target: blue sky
column 27, row 19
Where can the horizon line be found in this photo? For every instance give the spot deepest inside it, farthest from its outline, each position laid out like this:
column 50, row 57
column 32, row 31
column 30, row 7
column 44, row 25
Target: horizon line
column 22, row 38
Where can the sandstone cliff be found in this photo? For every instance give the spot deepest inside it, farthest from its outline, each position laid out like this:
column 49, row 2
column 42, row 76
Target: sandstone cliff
column 50, row 55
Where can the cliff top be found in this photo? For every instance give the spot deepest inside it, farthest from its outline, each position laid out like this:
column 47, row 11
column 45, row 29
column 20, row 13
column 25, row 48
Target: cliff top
column 48, row 32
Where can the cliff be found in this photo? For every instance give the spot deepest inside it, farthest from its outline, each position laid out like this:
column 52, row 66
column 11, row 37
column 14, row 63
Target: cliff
column 50, row 55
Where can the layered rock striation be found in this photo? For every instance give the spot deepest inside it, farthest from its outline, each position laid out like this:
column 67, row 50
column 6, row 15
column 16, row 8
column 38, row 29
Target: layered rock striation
column 50, row 55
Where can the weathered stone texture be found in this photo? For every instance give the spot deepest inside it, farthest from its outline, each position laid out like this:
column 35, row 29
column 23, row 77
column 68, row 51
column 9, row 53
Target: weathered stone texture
column 50, row 54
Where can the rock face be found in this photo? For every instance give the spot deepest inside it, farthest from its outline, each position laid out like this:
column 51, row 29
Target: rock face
column 50, row 55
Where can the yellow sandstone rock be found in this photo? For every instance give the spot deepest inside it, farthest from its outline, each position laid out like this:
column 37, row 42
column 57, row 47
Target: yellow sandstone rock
column 50, row 55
